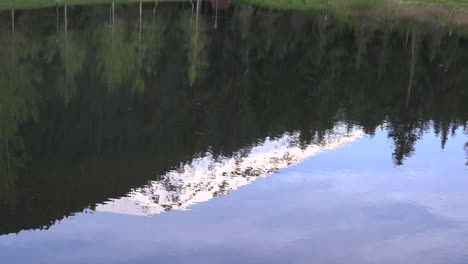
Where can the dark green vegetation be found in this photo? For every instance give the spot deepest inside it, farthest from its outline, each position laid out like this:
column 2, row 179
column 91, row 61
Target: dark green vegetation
column 98, row 104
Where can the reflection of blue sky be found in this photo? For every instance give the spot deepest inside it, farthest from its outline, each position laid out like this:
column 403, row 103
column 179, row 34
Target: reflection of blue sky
column 349, row 205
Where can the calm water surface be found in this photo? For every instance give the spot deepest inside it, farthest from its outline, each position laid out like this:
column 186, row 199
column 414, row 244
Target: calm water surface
column 171, row 134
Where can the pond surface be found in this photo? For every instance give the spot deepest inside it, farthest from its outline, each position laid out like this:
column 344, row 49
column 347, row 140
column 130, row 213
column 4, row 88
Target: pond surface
column 178, row 133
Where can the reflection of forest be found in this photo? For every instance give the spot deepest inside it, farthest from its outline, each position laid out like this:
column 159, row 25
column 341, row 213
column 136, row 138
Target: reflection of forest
column 105, row 99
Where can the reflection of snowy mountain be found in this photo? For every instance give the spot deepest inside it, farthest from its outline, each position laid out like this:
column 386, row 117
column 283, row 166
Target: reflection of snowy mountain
column 207, row 177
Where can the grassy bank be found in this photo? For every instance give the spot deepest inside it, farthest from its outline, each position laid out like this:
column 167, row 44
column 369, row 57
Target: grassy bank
column 401, row 11
column 27, row 4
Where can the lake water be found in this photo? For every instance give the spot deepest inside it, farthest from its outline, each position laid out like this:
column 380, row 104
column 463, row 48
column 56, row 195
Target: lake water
column 178, row 133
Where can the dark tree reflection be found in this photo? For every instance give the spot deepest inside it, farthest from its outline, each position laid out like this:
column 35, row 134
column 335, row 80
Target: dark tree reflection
column 121, row 94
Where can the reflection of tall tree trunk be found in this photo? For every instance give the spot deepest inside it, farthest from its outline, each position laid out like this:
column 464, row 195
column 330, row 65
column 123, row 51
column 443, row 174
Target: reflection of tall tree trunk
column 8, row 158
column 436, row 39
column 139, row 32
column 12, row 77
column 194, row 50
column 139, row 44
column 198, row 13
column 57, row 22
column 452, row 57
column 414, row 36
column 361, row 42
column 206, row 8
column 451, row 21
column 111, row 14
column 322, row 34
column 13, row 20
column 216, row 15
column 13, row 57
column 383, row 52
column 66, row 45
column 245, row 20
column 407, row 37
column 112, row 50
column 191, row 17
column 196, row 28
column 269, row 30
column 154, row 10
column 153, row 21
column 327, row 5
column 246, row 61
column 153, row 32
